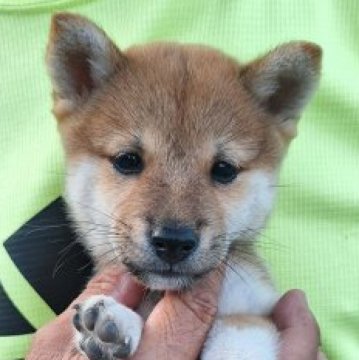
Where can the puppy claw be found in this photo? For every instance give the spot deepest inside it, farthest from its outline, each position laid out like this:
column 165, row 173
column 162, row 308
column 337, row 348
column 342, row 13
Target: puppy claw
column 77, row 307
column 77, row 322
column 122, row 351
column 127, row 340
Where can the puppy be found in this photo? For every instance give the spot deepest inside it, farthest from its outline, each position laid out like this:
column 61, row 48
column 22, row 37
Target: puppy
column 173, row 153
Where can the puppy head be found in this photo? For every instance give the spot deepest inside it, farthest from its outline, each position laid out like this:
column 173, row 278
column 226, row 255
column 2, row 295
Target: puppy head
column 172, row 151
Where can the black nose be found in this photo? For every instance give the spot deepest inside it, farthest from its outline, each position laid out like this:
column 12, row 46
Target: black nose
column 174, row 243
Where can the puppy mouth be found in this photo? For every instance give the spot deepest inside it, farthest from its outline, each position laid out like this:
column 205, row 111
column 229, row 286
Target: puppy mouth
column 165, row 279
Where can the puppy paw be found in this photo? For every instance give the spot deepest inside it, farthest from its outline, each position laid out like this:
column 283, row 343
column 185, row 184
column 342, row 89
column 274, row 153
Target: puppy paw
column 105, row 329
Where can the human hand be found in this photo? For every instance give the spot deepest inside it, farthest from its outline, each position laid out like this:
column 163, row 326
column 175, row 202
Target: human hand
column 178, row 326
column 300, row 337
column 176, row 329
column 55, row 340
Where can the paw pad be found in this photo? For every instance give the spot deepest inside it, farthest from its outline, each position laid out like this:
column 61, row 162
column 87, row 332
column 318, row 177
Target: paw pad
column 102, row 330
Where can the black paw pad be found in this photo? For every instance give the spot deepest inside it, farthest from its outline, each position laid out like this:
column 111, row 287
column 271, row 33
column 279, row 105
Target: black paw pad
column 93, row 351
column 108, row 332
column 77, row 322
column 90, row 317
column 123, row 350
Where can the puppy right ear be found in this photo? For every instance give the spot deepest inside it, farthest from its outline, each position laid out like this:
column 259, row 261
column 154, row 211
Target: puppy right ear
column 80, row 59
column 283, row 81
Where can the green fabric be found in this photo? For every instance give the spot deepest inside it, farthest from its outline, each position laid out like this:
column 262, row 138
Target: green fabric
column 312, row 240
column 20, row 292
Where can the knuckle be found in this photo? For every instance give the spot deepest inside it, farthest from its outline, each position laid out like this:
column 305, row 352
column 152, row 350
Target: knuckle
column 103, row 283
column 43, row 332
column 204, row 306
column 309, row 326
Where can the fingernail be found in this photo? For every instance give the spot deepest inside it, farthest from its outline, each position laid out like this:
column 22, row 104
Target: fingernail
column 123, row 286
column 302, row 298
column 129, row 292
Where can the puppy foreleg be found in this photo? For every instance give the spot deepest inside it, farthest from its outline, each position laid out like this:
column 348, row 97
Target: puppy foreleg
column 241, row 337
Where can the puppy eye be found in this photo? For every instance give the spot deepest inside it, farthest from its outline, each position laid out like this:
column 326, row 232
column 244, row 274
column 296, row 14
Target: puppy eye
column 128, row 163
column 223, row 172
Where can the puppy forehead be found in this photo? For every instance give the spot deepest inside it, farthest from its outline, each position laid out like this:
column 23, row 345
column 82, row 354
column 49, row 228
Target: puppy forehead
column 190, row 87
column 174, row 95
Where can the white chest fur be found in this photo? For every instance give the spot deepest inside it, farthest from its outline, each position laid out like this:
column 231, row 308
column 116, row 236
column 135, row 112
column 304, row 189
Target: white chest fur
column 245, row 291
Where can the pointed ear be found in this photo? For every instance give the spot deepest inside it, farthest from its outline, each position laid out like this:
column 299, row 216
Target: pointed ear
column 80, row 58
column 284, row 80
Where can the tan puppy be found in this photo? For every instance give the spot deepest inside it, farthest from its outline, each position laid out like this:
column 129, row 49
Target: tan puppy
column 173, row 153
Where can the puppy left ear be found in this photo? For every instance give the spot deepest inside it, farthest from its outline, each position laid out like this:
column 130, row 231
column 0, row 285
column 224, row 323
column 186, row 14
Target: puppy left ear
column 283, row 81
column 80, row 59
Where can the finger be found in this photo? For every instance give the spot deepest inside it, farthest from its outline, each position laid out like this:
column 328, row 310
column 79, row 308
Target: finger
column 128, row 291
column 72, row 354
column 298, row 327
column 116, row 282
column 177, row 327
column 113, row 281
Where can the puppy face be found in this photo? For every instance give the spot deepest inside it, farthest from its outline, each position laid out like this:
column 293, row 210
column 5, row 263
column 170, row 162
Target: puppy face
column 172, row 151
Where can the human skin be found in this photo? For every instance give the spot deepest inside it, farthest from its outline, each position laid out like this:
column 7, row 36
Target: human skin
column 178, row 325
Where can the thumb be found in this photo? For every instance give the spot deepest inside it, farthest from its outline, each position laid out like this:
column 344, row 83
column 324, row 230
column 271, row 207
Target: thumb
column 298, row 327
column 178, row 325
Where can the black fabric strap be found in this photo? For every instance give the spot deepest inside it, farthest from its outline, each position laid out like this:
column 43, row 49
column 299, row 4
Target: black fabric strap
column 57, row 266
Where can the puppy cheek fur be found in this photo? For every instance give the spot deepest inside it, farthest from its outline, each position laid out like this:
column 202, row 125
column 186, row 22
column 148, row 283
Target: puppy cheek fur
column 248, row 204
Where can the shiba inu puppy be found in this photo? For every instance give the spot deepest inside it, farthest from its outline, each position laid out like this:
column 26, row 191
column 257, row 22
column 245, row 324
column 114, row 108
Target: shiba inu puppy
column 173, row 153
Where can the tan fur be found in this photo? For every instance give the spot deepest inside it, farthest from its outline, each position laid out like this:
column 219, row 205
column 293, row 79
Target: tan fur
column 247, row 320
column 180, row 107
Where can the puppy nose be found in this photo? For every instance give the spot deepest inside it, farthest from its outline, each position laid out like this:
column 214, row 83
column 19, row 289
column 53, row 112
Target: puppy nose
column 173, row 244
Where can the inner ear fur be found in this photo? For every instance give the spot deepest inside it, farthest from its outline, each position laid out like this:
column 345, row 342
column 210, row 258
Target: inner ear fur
column 80, row 59
column 283, row 80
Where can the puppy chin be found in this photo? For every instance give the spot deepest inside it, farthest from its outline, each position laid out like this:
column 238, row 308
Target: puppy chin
column 166, row 282
column 166, row 279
